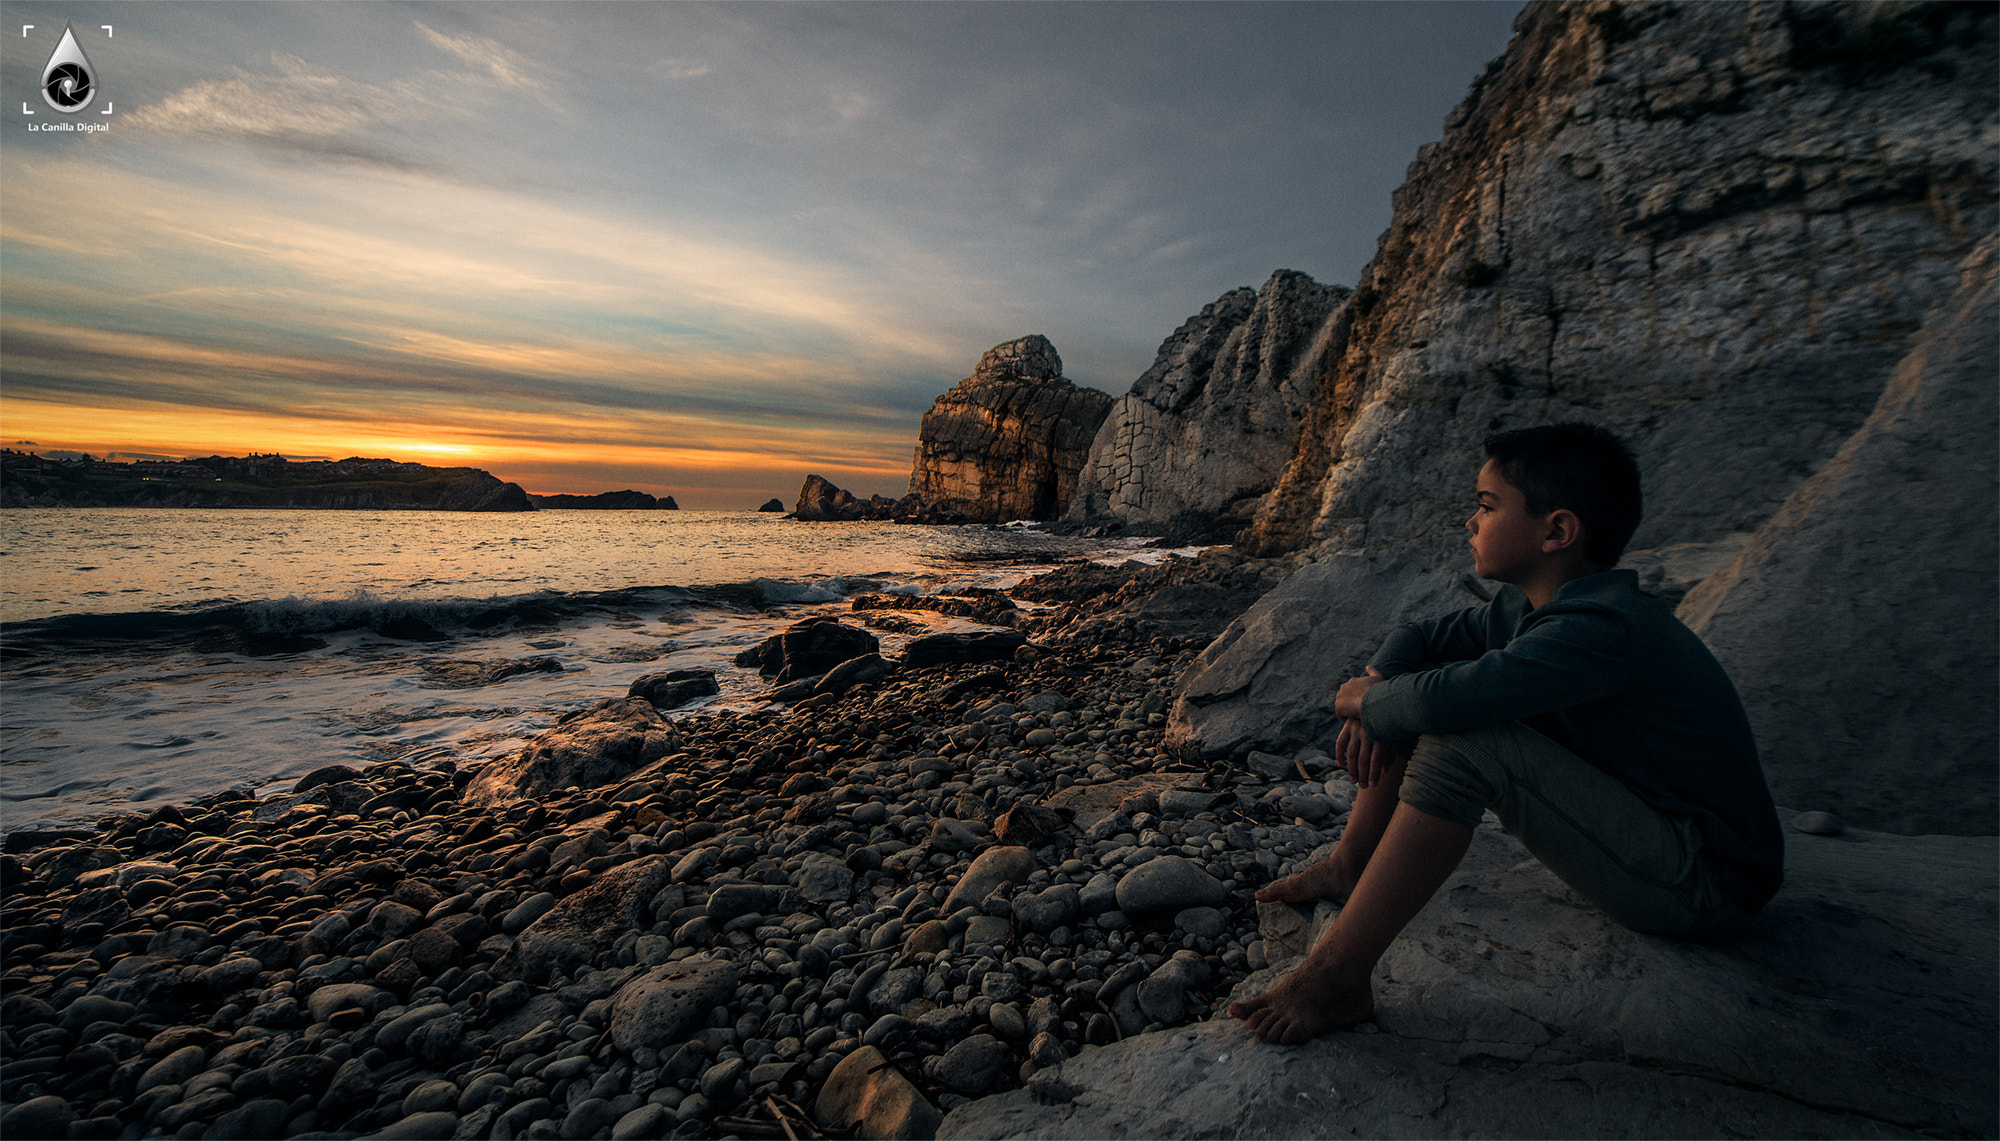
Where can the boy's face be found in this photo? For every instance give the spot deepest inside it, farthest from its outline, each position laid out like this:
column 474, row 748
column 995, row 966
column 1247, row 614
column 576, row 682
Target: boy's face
column 1506, row 539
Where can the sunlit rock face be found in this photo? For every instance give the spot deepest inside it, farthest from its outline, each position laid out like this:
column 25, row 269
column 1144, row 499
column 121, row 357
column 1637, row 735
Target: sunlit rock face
column 1207, row 431
column 1714, row 228
column 1006, row 442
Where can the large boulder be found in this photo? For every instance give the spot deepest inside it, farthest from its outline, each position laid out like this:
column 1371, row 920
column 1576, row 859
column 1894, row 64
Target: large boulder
column 586, row 748
column 867, row 1095
column 1713, row 228
column 1861, row 1002
column 674, row 688
column 1859, row 621
column 976, row 646
column 1268, row 681
column 658, row 1007
column 571, row 933
column 1007, row 442
column 1208, row 429
column 809, row 648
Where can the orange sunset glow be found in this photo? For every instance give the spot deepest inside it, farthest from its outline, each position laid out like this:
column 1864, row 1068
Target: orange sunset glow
column 693, row 250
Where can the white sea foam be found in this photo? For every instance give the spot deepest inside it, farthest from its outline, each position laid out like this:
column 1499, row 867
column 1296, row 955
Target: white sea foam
column 223, row 656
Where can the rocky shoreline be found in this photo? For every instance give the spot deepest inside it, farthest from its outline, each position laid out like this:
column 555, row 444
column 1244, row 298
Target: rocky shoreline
column 855, row 911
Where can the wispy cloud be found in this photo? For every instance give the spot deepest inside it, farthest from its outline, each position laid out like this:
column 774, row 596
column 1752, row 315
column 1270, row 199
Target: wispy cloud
column 681, row 68
column 502, row 64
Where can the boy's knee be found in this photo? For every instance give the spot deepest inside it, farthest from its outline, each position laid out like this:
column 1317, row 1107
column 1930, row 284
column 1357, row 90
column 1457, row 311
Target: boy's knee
column 1449, row 776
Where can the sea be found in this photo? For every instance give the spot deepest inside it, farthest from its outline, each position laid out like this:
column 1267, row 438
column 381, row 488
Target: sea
column 152, row 656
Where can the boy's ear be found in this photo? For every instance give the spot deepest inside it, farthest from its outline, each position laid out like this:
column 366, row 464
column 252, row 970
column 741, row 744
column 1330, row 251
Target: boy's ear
column 1564, row 531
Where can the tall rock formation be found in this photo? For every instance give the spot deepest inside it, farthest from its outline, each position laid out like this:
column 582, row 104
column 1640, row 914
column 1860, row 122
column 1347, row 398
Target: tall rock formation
column 1878, row 572
column 1718, row 230
column 821, row 502
column 1007, row 441
column 1207, row 431
column 1713, row 228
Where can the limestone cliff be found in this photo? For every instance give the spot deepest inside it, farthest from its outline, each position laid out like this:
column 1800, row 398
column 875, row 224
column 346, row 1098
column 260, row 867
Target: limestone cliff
column 1714, row 228
column 1879, row 573
column 1718, row 230
column 1207, row 430
column 1007, row 441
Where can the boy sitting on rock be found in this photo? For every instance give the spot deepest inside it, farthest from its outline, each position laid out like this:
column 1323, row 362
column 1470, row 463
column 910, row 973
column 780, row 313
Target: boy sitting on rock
column 1598, row 728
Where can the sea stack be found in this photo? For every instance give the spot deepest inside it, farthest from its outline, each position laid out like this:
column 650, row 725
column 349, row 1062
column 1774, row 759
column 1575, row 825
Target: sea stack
column 1008, row 441
column 1206, row 432
column 821, row 502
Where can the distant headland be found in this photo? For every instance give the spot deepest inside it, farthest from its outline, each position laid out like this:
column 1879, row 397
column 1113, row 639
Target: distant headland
column 28, row 480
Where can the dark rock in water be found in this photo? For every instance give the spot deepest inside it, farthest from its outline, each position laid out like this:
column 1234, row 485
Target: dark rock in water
column 940, row 649
column 1007, row 442
column 29, row 840
column 821, row 502
column 448, row 674
column 589, row 747
column 773, row 504
column 408, row 629
column 329, row 774
column 983, row 604
column 813, row 646
column 627, row 500
column 573, row 931
column 675, row 688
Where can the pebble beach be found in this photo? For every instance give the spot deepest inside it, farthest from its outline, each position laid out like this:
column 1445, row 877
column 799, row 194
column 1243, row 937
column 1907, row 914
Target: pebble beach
column 853, row 909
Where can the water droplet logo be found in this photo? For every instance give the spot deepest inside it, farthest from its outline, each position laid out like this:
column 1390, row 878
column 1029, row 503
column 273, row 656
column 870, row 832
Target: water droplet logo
column 69, row 83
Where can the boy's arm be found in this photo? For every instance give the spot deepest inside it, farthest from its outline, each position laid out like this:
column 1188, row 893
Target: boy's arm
column 1559, row 660
column 1456, row 637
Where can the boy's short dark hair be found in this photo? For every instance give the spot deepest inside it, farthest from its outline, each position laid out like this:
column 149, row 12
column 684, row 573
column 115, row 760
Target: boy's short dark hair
column 1581, row 467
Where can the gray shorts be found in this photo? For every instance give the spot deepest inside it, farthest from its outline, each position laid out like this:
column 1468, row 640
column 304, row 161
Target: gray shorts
column 1646, row 868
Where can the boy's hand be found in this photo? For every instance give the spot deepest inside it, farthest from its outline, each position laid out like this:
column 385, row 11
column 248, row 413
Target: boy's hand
column 1364, row 758
column 1347, row 702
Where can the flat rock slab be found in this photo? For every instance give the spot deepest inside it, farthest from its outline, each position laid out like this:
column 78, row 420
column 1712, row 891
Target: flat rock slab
column 1094, row 802
column 1862, row 1003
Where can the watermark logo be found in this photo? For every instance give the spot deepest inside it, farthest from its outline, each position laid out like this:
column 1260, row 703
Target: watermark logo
column 69, row 83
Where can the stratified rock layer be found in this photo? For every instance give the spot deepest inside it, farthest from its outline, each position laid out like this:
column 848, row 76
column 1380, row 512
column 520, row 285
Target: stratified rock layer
column 1209, row 428
column 1878, row 574
column 1714, row 228
column 1717, row 230
column 1006, row 442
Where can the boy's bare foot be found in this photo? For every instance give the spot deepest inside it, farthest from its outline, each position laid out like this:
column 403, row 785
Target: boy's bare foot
column 1305, row 1005
column 1324, row 880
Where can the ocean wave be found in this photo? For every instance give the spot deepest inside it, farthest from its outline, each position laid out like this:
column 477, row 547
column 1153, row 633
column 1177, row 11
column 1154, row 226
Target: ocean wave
column 292, row 624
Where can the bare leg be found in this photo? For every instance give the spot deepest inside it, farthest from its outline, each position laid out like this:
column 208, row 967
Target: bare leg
column 1331, row 988
column 1334, row 877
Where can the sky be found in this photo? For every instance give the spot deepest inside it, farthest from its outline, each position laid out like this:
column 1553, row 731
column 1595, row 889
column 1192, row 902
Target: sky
column 687, row 248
